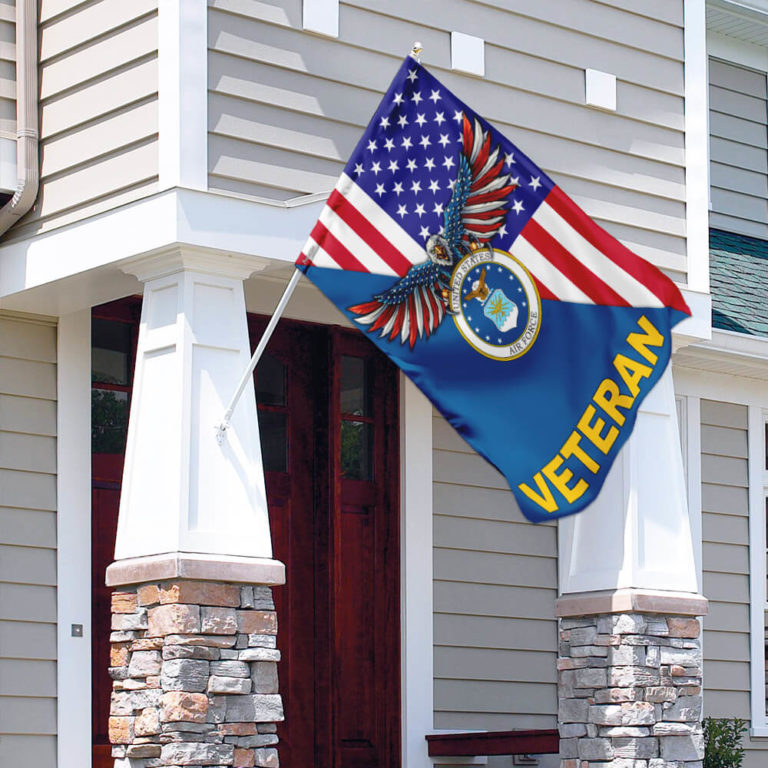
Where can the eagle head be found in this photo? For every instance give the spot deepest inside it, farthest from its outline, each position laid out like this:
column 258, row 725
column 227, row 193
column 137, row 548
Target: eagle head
column 439, row 251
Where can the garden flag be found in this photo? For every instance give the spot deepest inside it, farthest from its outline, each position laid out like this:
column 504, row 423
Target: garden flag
column 530, row 328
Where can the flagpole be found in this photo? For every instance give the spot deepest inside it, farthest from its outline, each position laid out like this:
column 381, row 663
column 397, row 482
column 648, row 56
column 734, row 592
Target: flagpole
column 263, row 341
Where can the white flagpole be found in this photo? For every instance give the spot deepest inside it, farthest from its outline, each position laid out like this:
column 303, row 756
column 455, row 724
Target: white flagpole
column 221, row 428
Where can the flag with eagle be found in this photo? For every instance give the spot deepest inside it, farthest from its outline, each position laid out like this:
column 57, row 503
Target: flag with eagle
column 530, row 328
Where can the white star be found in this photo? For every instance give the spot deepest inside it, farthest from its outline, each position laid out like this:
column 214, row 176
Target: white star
column 438, row 209
column 535, row 183
column 376, row 168
column 411, row 165
column 502, row 233
column 380, row 190
column 514, row 180
column 448, row 163
column 401, row 211
column 509, row 158
column 435, row 96
column 424, row 141
column 407, row 143
column 444, row 140
column 389, row 145
column 398, row 98
column 420, row 119
column 371, row 145
column 416, row 98
column 412, row 75
column 403, row 120
column 419, row 210
column 398, row 188
column 359, row 168
column 458, row 116
column 416, row 186
column 384, row 122
column 439, row 118
column 451, row 184
column 517, row 206
column 424, row 232
column 393, row 166
column 429, row 163
column 433, row 186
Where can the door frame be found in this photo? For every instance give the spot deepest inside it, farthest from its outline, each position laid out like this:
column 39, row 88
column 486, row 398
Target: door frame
column 74, row 558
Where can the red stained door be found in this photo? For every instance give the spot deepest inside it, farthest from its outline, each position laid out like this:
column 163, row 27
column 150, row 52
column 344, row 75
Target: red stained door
column 328, row 421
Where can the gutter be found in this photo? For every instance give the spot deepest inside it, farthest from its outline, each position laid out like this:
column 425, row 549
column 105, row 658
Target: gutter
column 27, row 133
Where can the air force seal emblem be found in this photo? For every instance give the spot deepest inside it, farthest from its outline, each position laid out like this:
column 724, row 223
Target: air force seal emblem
column 495, row 304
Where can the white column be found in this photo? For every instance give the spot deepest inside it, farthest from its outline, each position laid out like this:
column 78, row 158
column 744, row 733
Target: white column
column 636, row 535
column 183, row 492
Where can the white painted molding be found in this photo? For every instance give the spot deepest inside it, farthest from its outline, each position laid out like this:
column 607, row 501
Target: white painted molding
column 692, row 436
column 321, row 16
column 696, row 144
column 600, row 89
column 757, row 565
column 416, row 581
column 73, row 554
column 737, row 51
column 183, row 93
column 468, row 53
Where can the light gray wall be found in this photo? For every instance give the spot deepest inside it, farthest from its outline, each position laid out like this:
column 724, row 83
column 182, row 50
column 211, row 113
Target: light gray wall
column 738, row 149
column 725, row 563
column 8, row 69
column 286, row 107
column 27, row 542
column 98, row 114
column 495, row 584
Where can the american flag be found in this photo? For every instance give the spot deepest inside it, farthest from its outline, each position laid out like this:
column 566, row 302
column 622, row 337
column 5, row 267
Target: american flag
column 395, row 189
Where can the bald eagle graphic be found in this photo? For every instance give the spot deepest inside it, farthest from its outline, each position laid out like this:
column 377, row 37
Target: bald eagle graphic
column 416, row 304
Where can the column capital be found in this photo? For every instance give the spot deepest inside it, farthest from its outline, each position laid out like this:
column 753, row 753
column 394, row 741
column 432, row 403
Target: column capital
column 179, row 258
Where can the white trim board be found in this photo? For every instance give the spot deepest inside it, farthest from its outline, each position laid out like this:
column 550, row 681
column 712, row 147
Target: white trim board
column 737, row 51
column 73, row 554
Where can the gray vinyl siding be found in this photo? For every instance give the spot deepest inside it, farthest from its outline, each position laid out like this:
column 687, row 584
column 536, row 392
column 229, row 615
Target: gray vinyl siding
column 287, row 107
column 738, row 149
column 495, row 584
column 27, row 542
column 725, row 561
column 8, row 69
column 98, row 113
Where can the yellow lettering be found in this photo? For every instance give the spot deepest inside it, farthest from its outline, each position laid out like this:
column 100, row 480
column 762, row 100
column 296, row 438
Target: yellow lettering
column 561, row 480
column 572, row 448
column 544, row 499
column 594, row 431
column 640, row 342
column 609, row 399
column 631, row 372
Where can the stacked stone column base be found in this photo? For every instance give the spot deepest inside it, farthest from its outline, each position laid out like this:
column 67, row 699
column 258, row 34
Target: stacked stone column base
column 194, row 669
column 629, row 689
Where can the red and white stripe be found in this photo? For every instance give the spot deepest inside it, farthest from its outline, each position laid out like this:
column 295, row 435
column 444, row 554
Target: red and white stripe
column 570, row 257
column 354, row 232
column 573, row 259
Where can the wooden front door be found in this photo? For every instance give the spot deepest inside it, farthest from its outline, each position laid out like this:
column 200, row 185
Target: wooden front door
column 328, row 419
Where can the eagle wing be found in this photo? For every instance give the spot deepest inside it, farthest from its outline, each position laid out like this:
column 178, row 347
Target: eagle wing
column 477, row 208
column 412, row 308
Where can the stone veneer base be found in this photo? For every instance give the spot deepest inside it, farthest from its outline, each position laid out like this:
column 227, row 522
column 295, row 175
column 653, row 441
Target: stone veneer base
column 629, row 689
column 194, row 669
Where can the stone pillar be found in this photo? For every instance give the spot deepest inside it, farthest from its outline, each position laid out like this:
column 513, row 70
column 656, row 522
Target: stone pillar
column 194, row 666
column 629, row 687
column 629, row 666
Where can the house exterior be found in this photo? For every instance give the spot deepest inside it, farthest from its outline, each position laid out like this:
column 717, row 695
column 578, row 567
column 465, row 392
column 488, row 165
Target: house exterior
column 185, row 152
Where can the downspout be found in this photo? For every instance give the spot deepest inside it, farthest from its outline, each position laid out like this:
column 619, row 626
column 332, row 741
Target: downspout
column 28, row 172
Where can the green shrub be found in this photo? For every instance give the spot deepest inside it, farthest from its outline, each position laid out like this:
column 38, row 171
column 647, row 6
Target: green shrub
column 722, row 742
